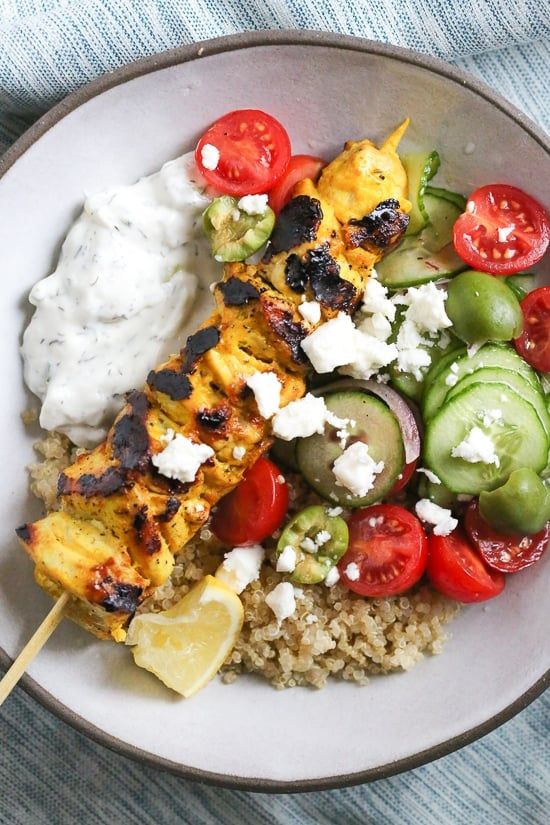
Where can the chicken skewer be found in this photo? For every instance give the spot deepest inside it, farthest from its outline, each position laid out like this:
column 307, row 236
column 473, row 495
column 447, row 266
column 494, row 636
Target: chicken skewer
column 121, row 522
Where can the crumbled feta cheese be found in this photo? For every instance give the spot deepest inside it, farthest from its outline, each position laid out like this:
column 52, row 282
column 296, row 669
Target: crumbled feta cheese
column 491, row 417
column 376, row 325
column 444, row 340
column 476, row 448
column 311, row 618
column 355, row 469
column 253, row 204
column 383, row 377
column 332, row 344
column 239, row 453
column 286, row 562
column 503, row 232
column 281, row 479
column 473, row 349
column 241, row 566
column 413, row 360
column 352, row 571
column 369, row 355
column 298, row 592
column 267, row 392
column 309, row 545
column 429, row 475
column 282, row 601
column 322, row 537
column 452, row 378
column 311, row 311
column 210, row 156
column 426, row 307
column 181, row 458
column 411, row 357
column 301, row 418
column 332, row 577
column 376, row 300
column 440, row 517
column 334, row 511
column 167, row 436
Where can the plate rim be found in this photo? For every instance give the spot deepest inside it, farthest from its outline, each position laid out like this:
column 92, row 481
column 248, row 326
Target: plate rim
column 185, row 54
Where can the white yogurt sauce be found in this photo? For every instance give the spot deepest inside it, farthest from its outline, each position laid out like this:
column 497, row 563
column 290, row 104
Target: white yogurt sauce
column 126, row 280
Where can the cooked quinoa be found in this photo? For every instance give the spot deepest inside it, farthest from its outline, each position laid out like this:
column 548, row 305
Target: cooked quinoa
column 333, row 632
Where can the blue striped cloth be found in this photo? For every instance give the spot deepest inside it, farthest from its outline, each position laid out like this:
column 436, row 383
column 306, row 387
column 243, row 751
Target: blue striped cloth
column 50, row 774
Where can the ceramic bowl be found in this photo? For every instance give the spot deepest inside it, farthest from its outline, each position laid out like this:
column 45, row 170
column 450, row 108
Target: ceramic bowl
column 326, row 89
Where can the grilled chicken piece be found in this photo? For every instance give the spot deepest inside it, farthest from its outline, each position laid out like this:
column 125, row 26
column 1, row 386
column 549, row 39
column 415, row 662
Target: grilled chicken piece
column 90, row 564
column 120, row 518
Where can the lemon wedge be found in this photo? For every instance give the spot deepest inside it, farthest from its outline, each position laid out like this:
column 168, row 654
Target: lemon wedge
column 186, row 645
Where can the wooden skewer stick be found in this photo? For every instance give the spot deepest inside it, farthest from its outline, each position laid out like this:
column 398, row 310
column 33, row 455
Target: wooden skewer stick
column 33, row 647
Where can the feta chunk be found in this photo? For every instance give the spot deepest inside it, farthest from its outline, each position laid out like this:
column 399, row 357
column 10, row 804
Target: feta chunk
column 286, row 561
column 376, row 325
column 210, row 156
column 429, row 475
column 440, row 517
column 308, row 545
column 311, row 618
column 426, row 307
column 322, row 537
column 253, row 204
column 310, row 311
column 334, row 511
column 370, row 354
column 239, row 453
column 332, row 577
column 267, row 392
column 376, row 299
column 473, row 349
column 301, row 418
column 181, row 458
column 332, row 344
column 476, row 448
column 282, row 601
column 356, row 470
column 352, row 571
column 241, row 567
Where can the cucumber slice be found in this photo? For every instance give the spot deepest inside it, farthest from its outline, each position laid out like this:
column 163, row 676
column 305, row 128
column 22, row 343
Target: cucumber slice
column 491, row 355
column 521, row 284
column 520, row 441
column 428, row 256
column 453, row 197
column 376, row 425
column 514, row 381
column 420, row 169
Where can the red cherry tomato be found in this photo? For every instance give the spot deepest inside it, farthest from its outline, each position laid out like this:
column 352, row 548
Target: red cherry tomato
column 254, row 151
column 534, row 342
column 389, row 547
column 406, row 476
column 457, row 570
column 502, row 231
column 299, row 168
column 506, row 553
column 254, row 509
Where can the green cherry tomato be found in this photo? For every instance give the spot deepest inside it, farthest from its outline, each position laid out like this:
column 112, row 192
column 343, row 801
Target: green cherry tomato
column 521, row 505
column 233, row 233
column 483, row 308
column 318, row 540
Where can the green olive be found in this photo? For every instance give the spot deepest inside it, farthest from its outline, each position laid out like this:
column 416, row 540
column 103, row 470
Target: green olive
column 318, row 540
column 521, row 505
column 482, row 308
column 437, row 493
column 234, row 234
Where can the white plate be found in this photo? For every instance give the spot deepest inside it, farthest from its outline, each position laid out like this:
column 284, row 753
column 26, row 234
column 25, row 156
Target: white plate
column 325, row 89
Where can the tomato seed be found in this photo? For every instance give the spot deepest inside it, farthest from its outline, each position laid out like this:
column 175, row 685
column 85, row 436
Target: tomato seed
column 497, row 254
column 515, row 204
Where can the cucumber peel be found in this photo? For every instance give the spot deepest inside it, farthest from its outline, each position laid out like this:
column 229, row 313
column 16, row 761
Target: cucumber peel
column 420, row 168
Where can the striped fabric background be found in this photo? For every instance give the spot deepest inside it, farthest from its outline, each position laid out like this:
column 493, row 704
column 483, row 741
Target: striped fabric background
column 50, row 774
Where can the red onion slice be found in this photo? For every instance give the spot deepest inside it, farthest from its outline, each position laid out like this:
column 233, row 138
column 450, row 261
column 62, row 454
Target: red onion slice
column 396, row 403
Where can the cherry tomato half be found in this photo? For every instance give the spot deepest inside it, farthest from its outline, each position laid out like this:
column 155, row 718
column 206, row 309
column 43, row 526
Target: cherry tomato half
column 457, row 570
column 534, row 342
column 254, row 150
column 506, row 553
column 502, row 231
column 254, row 509
column 406, row 476
column 299, row 168
column 388, row 546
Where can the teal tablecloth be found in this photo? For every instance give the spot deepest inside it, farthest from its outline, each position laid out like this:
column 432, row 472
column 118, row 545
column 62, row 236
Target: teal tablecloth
column 50, row 774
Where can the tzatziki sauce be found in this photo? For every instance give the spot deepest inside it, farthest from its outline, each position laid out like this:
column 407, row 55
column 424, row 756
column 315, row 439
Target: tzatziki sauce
column 126, row 280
